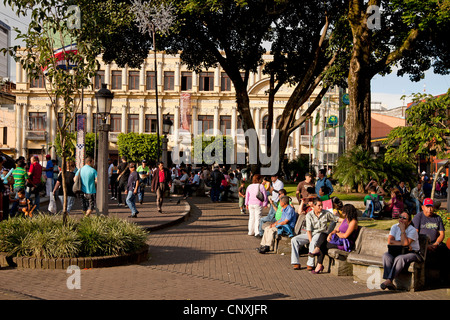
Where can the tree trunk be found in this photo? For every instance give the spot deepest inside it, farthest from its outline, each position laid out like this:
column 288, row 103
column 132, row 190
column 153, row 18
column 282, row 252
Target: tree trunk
column 357, row 124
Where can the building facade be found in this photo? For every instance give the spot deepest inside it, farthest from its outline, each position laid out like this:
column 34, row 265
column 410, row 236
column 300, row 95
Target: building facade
column 196, row 103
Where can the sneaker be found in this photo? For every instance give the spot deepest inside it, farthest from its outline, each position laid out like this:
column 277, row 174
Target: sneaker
column 120, row 205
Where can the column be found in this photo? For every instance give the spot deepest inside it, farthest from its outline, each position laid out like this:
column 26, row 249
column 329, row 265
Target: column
column 19, row 126
column 176, row 124
column 48, row 126
column 257, row 120
column 125, row 78
column 124, row 118
column 108, row 76
column 141, row 119
column 24, row 129
column 194, row 81
column 89, row 118
column 102, row 165
column 217, row 79
column 194, row 120
column 233, row 122
column 160, row 76
column 18, row 72
column 177, row 76
column 142, row 78
column 216, row 120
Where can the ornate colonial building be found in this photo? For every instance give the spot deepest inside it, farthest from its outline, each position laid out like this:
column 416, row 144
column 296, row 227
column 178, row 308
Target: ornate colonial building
column 195, row 102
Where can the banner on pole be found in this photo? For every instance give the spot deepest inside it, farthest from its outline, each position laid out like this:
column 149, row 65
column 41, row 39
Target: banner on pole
column 80, row 149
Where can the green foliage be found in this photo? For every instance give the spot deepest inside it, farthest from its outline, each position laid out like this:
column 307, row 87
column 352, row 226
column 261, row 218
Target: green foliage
column 47, row 236
column 137, row 147
column 299, row 166
column 357, row 166
column 426, row 132
column 213, row 149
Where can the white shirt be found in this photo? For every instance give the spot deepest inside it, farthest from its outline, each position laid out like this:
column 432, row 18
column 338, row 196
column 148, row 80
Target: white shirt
column 411, row 233
column 277, row 185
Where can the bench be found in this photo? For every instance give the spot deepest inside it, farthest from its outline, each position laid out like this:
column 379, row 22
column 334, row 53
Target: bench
column 369, row 249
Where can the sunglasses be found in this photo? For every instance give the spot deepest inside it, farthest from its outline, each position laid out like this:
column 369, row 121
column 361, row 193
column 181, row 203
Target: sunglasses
column 404, row 218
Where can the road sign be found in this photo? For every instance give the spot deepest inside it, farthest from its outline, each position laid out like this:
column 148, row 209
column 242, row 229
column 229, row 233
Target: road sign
column 346, row 99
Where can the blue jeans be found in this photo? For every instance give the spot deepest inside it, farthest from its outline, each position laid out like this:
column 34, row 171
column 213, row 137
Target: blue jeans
column 142, row 183
column 286, row 229
column 37, row 199
column 215, row 193
column 70, row 202
column 269, row 218
column 131, row 202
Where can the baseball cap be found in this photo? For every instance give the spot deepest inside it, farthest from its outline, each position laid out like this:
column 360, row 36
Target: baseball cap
column 144, row 161
column 428, row 202
column 48, row 156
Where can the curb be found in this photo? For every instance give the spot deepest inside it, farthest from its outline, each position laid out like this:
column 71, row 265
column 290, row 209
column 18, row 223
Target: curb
column 139, row 256
column 184, row 217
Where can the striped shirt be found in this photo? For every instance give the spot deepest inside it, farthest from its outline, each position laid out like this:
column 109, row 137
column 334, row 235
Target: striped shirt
column 20, row 176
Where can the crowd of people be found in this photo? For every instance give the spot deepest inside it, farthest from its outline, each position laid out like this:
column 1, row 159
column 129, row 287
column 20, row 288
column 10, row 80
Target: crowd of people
column 319, row 221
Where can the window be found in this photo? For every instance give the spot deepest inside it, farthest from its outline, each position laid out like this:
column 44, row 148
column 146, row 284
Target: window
column 5, row 135
column 37, row 121
column 133, row 80
column 116, row 80
column 225, row 82
column 133, row 123
column 330, row 129
column 206, row 81
column 150, row 123
column 186, row 81
column 116, row 122
column 150, row 80
column 205, row 123
column 99, row 79
column 304, row 128
column 265, row 120
column 72, row 125
column 169, row 80
column 225, row 125
column 37, row 82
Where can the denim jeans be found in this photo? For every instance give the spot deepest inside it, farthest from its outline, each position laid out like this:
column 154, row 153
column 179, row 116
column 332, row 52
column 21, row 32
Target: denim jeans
column 70, row 202
column 215, row 193
column 131, row 202
column 142, row 184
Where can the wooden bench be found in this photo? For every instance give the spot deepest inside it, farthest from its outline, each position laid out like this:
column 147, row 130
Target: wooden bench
column 369, row 249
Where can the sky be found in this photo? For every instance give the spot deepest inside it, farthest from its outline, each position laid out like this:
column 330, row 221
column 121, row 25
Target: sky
column 386, row 91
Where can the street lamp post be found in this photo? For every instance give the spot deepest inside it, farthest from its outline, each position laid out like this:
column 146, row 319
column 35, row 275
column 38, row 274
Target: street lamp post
column 167, row 124
column 104, row 100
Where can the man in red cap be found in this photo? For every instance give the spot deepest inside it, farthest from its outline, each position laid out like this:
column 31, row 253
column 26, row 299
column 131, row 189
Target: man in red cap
column 431, row 224
column 49, row 174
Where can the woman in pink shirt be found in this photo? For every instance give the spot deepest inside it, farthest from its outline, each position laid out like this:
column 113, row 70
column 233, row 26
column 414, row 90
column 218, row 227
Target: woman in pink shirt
column 254, row 205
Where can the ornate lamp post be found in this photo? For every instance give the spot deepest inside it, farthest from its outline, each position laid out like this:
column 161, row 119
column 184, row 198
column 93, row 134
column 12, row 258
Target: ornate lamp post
column 167, row 124
column 104, row 101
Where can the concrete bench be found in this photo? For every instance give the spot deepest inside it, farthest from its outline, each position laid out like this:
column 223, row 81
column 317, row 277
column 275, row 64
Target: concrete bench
column 369, row 250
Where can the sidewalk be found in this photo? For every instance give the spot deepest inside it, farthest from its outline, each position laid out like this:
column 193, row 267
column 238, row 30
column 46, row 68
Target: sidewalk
column 207, row 256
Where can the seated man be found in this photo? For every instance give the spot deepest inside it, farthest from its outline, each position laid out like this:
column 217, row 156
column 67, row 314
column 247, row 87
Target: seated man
column 316, row 223
column 285, row 225
column 180, row 182
column 191, row 185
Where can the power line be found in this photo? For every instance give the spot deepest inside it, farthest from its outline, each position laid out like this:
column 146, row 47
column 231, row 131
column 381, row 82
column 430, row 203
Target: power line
column 14, row 19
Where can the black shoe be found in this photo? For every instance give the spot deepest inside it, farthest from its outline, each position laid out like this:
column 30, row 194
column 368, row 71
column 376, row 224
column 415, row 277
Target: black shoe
column 132, row 216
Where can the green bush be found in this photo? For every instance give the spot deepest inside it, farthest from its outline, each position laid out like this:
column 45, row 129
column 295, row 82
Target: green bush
column 46, row 236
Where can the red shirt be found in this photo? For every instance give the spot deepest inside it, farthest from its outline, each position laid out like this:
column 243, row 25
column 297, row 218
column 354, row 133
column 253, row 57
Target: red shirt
column 161, row 176
column 35, row 172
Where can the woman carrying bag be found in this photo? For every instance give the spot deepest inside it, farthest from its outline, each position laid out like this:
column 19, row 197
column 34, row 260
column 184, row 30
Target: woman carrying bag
column 255, row 200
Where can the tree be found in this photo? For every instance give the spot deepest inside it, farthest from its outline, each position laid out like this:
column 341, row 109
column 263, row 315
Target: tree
column 426, row 134
column 137, row 147
column 211, row 149
column 406, row 34
column 49, row 29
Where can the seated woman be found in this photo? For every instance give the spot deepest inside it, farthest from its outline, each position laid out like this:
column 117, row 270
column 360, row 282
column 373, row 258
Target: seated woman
column 395, row 206
column 346, row 229
column 402, row 234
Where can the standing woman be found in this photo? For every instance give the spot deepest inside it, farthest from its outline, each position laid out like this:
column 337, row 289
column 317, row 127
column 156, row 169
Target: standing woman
column 114, row 174
column 402, row 234
column 254, row 205
column 347, row 229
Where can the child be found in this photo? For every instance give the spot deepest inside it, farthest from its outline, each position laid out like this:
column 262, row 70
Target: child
column 23, row 204
column 242, row 197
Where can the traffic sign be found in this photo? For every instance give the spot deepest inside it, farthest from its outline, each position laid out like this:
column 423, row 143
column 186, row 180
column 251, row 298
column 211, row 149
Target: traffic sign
column 346, row 99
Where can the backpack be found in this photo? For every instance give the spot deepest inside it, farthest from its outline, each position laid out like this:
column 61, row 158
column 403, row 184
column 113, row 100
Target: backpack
column 375, row 207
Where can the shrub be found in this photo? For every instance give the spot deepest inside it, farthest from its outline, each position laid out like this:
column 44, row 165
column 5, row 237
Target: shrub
column 47, row 236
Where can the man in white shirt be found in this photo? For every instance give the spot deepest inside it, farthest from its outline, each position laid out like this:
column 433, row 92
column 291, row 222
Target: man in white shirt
column 180, row 182
column 277, row 185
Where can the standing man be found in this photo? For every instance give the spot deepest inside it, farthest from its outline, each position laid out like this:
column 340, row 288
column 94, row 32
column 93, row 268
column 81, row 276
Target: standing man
column 160, row 183
column 49, row 174
column 124, row 173
column 70, row 175
column 34, row 179
column 302, row 190
column 323, row 181
column 277, row 185
column 144, row 172
column 88, row 177
column 216, row 181
column 132, row 190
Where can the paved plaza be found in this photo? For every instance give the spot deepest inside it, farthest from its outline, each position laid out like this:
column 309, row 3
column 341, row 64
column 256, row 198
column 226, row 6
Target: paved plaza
column 198, row 251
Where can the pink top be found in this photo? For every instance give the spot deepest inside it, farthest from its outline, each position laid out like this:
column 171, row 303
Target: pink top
column 252, row 191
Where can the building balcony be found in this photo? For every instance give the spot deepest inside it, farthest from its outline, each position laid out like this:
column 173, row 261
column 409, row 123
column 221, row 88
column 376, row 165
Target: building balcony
column 114, row 136
column 34, row 135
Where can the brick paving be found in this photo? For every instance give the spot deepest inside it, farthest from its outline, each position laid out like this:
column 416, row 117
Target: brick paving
column 204, row 256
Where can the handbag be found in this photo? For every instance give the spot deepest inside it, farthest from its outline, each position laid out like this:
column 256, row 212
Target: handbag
column 259, row 195
column 342, row 244
column 52, row 205
column 77, row 184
